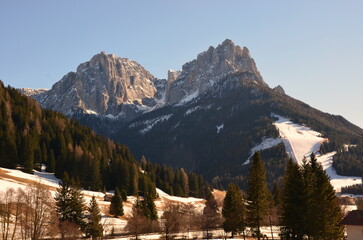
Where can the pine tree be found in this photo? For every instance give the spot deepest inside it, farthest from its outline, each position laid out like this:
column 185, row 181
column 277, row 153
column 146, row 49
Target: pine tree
column 116, row 207
column 29, row 156
column 293, row 203
column 323, row 205
column 234, row 210
column 51, row 162
column 257, row 194
column 309, row 205
column 94, row 227
column 149, row 208
column 276, row 195
column 124, row 195
column 95, row 176
column 70, row 203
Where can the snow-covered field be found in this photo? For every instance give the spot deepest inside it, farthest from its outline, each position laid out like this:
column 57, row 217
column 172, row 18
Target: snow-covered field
column 11, row 178
column 300, row 141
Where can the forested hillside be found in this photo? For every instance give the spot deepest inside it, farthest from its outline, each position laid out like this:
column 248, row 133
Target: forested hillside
column 31, row 136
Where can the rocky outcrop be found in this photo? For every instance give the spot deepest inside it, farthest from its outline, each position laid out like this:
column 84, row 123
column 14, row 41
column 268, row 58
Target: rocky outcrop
column 210, row 67
column 279, row 89
column 30, row 91
column 104, row 85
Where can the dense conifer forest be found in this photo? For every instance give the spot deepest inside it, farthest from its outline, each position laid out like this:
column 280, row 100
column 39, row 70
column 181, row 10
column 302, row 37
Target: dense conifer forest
column 31, row 137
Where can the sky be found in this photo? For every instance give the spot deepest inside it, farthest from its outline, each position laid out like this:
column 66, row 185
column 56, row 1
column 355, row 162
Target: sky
column 313, row 49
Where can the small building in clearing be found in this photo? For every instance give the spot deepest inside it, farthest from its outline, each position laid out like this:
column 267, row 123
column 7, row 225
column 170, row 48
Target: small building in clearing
column 107, row 197
column 354, row 224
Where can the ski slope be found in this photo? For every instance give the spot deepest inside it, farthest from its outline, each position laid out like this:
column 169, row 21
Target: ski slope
column 300, row 141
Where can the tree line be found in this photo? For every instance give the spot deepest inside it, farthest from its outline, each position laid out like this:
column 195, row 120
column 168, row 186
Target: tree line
column 31, row 137
column 305, row 206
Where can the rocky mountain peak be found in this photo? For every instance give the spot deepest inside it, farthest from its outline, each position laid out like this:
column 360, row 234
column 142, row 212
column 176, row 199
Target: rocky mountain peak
column 209, row 69
column 104, row 85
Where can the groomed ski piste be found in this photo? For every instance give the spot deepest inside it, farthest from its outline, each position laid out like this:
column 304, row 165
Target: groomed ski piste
column 300, row 141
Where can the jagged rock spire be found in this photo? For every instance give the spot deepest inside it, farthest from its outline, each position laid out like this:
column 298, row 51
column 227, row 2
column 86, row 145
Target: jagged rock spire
column 209, row 68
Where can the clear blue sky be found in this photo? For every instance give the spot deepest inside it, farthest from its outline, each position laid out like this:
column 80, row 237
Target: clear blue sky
column 314, row 49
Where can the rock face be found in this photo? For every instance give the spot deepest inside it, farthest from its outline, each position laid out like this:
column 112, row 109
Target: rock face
column 279, row 89
column 104, row 85
column 118, row 87
column 210, row 67
column 121, row 88
column 30, row 91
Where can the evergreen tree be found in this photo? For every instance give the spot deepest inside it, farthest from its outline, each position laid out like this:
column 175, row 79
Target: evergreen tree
column 95, row 176
column 309, row 206
column 116, row 207
column 94, row 227
column 149, row 208
column 234, row 210
column 293, row 206
column 124, row 195
column 29, row 155
column 324, row 205
column 276, row 195
column 51, row 162
column 70, row 203
column 257, row 194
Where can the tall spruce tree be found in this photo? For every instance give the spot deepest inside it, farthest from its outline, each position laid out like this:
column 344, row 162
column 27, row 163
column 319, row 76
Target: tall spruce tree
column 149, row 208
column 51, row 162
column 323, row 205
column 309, row 206
column 94, row 227
column 116, row 207
column 257, row 194
column 234, row 210
column 293, row 206
column 70, row 203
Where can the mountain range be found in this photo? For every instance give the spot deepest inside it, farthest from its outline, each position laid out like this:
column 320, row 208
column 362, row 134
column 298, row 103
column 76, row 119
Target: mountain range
column 207, row 117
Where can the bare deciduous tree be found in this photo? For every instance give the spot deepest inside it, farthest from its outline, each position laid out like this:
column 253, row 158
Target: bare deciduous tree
column 138, row 223
column 176, row 218
column 36, row 213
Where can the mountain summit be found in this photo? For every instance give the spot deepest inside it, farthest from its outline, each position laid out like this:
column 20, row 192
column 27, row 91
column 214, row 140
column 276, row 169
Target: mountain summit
column 106, row 84
column 116, row 87
column 207, row 71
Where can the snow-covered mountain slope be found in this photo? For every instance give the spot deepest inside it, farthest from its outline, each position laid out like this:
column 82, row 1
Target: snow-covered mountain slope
column 265, row 144
column 336, row 180
column 300, row 141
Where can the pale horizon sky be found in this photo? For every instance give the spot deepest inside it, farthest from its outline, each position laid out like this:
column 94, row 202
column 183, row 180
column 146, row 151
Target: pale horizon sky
column 312, row 48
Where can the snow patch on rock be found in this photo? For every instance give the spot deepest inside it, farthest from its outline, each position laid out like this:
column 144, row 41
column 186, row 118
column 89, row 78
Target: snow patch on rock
column 150, row 123
column 220, row 128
